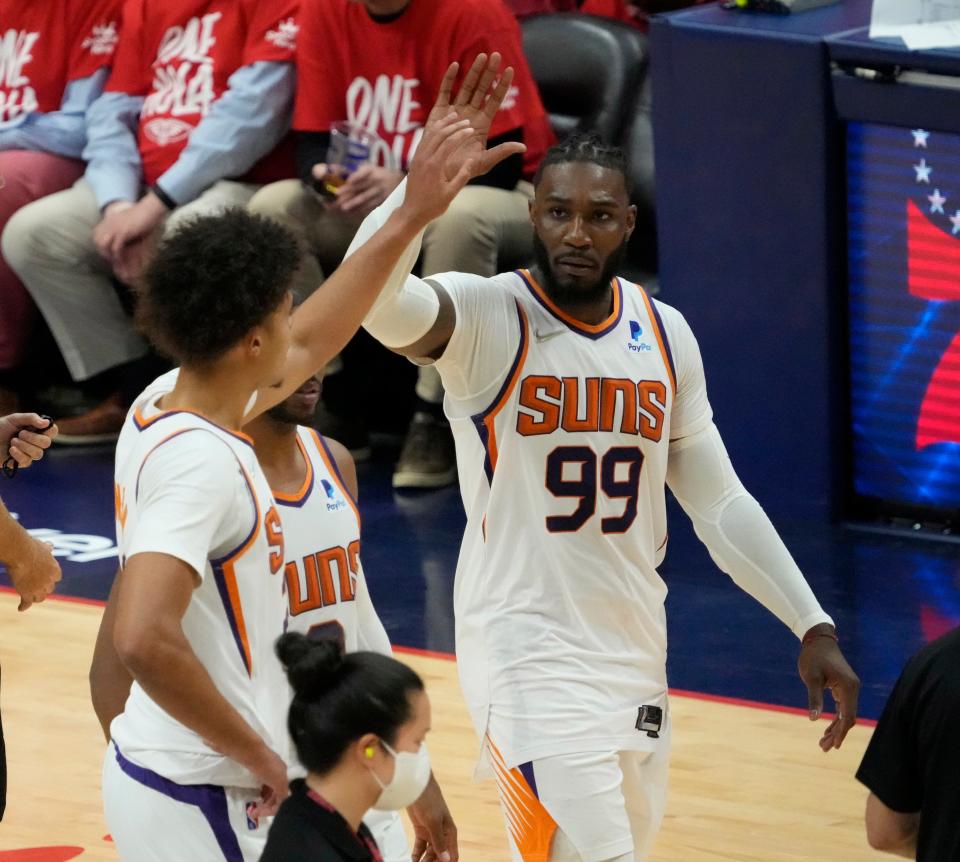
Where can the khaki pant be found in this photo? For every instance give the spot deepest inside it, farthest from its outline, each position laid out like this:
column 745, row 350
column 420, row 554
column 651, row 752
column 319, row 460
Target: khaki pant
column 25, row 176
column 49, row 244
column 484, row 229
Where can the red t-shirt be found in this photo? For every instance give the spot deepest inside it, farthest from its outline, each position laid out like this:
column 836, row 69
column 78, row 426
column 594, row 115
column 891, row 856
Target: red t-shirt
column 385, row 76
column 180, row 54
column 44, row 46
column 524, row 8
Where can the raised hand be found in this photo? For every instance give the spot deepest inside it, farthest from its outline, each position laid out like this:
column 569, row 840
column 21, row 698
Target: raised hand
column 433, row 181
column 479, row 98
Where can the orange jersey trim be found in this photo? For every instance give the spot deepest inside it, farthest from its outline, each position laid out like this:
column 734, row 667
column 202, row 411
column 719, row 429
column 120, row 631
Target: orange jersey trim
column 303, row 491
column 594, row 330
column 225, row 575
column 485, row 422
column 334, row 471
column 662, row 342
column 143, row 423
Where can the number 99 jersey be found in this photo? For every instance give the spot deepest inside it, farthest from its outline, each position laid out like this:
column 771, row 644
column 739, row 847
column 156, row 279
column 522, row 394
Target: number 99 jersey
column 562, row 432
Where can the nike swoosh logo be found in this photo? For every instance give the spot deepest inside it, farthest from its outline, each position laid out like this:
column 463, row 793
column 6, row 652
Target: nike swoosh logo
column 546, row 336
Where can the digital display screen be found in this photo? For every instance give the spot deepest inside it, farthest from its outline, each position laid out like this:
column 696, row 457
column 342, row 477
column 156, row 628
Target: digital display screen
column 904, row 281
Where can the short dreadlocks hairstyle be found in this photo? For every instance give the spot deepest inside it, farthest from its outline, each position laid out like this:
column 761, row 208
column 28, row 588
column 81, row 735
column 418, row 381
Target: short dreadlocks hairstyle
column 213, row 280
column 586, row 147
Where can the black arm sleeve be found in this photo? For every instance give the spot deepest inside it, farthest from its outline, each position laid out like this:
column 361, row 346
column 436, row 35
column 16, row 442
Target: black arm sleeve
column 509, row 172
column 311, row 149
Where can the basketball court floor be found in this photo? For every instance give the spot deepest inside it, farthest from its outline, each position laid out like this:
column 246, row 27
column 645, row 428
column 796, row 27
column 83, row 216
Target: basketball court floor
column 748, row 781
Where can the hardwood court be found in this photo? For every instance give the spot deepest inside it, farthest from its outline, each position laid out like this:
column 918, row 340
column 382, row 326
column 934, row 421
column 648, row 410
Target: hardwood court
column 746, row 784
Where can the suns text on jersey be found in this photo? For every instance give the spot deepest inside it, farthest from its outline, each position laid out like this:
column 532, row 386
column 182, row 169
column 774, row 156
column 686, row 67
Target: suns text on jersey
column 323, row 578
column 609, row 404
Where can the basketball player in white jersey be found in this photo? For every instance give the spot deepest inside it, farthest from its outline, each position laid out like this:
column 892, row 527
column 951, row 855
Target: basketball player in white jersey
column 575, row 399
column 314, row 483
column 194, row 763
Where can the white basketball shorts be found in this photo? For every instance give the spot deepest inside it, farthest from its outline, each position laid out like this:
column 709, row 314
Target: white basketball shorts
column 606, row 804
column 153, row 819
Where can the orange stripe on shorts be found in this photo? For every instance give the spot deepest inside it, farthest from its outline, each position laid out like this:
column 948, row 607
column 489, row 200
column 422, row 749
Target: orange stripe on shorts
column 531, row 827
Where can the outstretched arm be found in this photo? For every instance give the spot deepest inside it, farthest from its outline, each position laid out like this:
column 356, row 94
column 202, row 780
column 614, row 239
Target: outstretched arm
column 451, row 152
column 411, row 316
column 745, row 545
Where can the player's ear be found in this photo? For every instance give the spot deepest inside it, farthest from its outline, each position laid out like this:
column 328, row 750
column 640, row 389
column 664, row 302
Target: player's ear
column 254, row 342
column 631, row 219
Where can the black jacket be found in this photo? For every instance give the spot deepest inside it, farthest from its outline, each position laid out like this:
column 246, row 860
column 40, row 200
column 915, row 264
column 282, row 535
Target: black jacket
column 307, row 829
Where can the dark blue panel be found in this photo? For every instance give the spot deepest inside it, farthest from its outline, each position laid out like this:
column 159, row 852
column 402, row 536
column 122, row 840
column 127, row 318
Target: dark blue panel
column 67, row 499
column 749, row 213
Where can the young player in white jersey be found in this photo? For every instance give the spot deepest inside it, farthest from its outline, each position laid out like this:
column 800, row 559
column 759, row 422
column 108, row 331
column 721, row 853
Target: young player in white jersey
column 575, row 399
column 199, row 602
column 314, row 482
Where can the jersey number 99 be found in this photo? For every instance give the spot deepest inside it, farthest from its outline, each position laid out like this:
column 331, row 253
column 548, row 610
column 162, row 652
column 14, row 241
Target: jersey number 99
column 584, row 488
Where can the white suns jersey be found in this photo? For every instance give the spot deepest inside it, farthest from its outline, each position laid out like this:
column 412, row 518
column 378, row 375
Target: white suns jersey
column 326, row 591
column 562, row 433
column 327, row 595
column 191, row 489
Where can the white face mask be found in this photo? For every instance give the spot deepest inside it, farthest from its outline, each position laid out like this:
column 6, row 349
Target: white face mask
column 411, row 774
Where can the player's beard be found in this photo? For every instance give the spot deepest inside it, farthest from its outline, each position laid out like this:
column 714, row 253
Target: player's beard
column 577, row 294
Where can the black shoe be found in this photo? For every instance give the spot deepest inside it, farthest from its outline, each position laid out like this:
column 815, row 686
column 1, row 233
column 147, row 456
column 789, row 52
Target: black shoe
column 428, row 458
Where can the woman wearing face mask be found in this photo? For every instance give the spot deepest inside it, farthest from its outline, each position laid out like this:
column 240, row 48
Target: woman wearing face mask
column 358, row 722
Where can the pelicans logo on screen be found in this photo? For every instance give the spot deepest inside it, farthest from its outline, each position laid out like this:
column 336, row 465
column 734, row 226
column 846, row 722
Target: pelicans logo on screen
column 933, row 269
column 334, row 501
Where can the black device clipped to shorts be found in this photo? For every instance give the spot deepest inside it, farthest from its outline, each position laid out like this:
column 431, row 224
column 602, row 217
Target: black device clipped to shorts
column 10, row 465
column 650, row 719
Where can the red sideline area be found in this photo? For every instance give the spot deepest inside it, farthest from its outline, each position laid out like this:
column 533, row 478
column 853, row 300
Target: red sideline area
column 674, row 692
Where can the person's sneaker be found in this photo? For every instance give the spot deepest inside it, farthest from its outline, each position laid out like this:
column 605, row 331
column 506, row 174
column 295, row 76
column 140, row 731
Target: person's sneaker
column 428, row 458
column 101, row 424
column 348, row 430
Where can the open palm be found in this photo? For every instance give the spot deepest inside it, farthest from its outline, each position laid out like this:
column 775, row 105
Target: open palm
column 479, row 98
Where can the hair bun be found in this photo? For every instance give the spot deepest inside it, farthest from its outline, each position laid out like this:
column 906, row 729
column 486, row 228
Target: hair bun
column 311, row 665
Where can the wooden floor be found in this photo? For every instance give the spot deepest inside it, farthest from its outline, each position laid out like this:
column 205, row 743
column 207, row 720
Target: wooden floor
column 746, row 784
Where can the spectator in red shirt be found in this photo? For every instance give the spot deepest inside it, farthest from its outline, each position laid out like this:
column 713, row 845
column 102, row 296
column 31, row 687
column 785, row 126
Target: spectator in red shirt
column 193, row 120
column 55, row 56
column 378, row 64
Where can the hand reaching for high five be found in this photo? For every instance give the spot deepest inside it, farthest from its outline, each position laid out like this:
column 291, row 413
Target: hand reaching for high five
column 453, row 149
column 479, row 98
